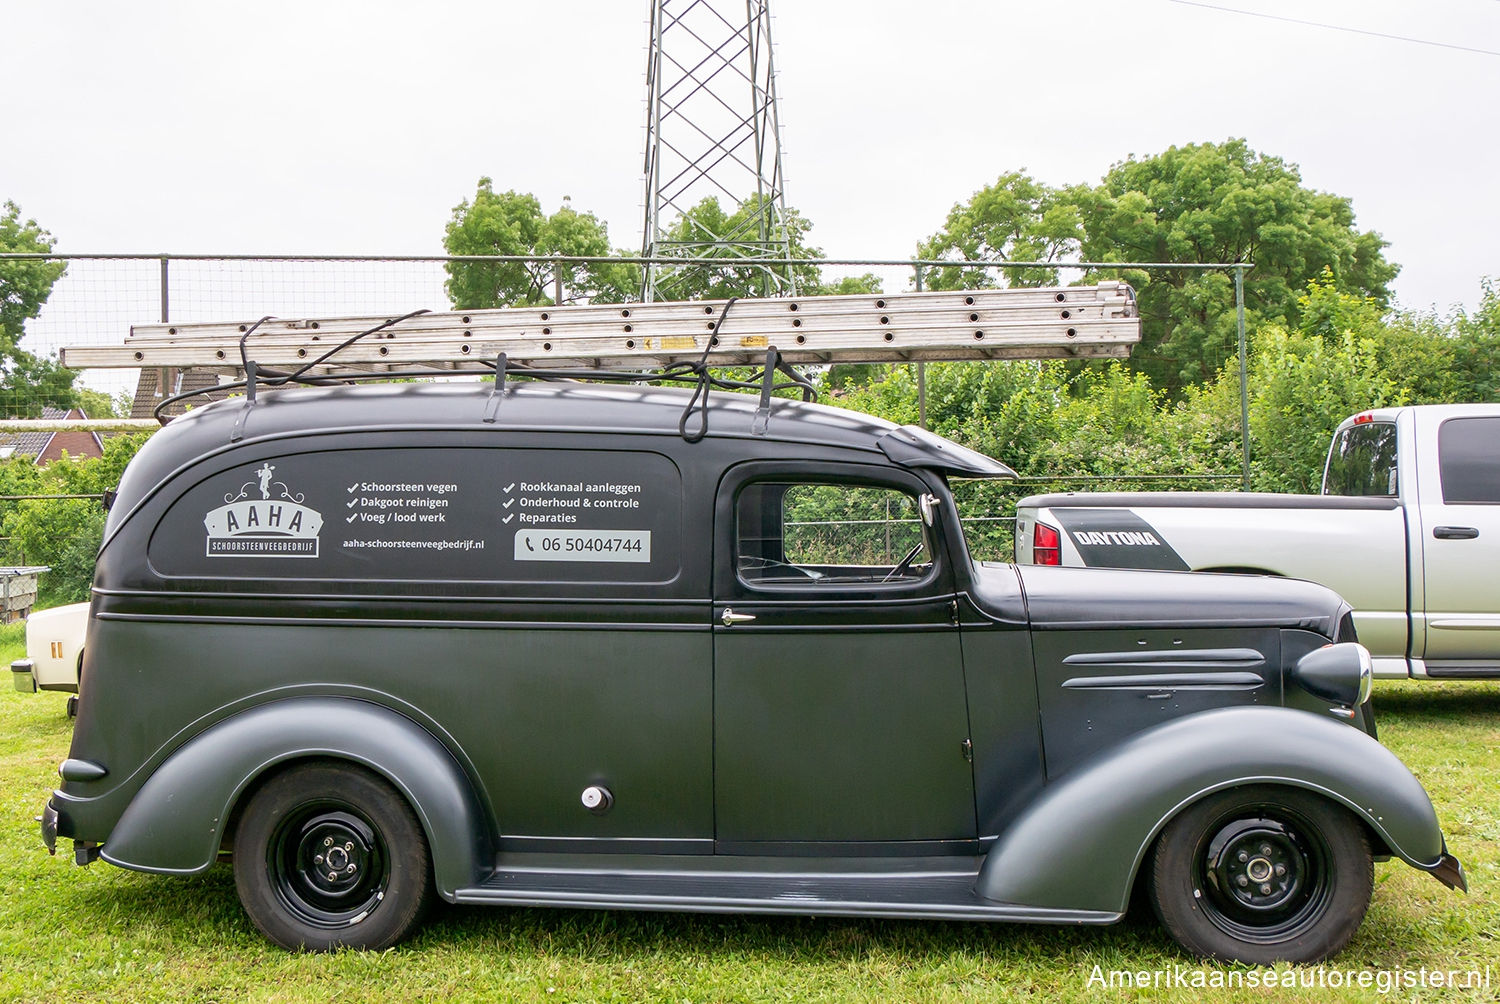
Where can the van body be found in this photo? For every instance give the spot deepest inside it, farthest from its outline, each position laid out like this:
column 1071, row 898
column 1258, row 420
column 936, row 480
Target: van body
column 533, row 645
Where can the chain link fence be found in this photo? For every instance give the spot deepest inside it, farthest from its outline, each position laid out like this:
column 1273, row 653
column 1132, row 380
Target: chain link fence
column 100, row 296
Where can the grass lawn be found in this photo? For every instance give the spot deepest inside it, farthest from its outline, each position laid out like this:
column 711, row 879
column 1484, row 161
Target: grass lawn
column 100, row 933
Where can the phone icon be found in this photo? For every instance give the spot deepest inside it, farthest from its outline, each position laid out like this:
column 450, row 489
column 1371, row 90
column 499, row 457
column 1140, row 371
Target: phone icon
column 527, row 540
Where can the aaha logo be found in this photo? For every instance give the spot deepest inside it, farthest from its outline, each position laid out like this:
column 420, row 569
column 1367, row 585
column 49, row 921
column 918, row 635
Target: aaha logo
column 276, row 525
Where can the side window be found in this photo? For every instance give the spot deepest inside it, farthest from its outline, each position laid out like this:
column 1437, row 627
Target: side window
column 800, row 533
column 1363, row 461
column 1469, row 460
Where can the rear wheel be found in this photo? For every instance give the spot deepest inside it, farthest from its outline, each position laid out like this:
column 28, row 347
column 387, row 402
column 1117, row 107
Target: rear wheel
column 329, row 856
column 1262, row 874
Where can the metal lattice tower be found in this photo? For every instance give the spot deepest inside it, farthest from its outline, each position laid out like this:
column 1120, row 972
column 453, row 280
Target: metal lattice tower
column 712, row 131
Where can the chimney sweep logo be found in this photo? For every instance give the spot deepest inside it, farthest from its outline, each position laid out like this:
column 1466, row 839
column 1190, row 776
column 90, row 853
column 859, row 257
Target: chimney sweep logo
column 267, row 527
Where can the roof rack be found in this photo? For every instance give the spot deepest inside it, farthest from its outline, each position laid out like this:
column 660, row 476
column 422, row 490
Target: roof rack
column 667, row 341
column 1058, row 322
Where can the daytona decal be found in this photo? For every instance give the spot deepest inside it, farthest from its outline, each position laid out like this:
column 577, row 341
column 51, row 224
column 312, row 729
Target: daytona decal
column 1125, row 538
column 1117, row 538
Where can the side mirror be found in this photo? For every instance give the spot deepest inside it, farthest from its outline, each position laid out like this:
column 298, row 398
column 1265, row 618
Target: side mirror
column 929, row 504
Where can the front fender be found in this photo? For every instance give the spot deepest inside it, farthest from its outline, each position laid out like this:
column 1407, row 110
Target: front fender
column 175, row 822
column 1080, row 843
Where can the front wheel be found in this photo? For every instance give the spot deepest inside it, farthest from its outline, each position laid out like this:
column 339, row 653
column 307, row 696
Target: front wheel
column 329, row 856
column 1262, row 874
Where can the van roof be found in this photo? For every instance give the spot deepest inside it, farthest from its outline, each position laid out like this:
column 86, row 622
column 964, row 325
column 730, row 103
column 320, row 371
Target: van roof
column 573, row 407
column 522, row 405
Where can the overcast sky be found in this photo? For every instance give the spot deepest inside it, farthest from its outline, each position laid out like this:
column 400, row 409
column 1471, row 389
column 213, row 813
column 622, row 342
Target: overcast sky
column 355, row 127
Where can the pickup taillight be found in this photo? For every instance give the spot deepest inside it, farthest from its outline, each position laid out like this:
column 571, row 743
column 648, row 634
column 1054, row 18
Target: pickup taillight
column 1046, row 545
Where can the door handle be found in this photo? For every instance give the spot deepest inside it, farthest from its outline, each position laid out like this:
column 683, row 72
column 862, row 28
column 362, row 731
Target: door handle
column 731, row 618
column 1455, row 532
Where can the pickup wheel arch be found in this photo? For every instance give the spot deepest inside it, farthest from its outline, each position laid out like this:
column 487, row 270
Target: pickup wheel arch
column 179, row 818
column 1238, row 570
column 1083, row 841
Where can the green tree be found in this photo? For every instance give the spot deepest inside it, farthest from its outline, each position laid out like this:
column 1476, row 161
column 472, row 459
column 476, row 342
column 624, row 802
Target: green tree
column 98, row 404
column 513, row 223
column 708, row 230
column 849, row 285
column 1016, row 219
column 1199, row 203
column 1303, row 387
column 27, row 382
column 1476, row 348
column 1433, row 360
column 64, row 534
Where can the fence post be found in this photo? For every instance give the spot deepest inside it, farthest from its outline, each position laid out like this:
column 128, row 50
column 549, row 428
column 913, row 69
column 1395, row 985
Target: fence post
column 1239, row 312
column 165, row 302
column 921, row 372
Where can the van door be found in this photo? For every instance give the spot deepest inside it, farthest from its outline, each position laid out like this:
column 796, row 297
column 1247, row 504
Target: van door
column 839, row 703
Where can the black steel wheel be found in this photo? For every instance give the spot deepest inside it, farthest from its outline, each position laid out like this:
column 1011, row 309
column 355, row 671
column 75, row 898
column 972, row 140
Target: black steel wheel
column 328, row 855
column 1262, row 874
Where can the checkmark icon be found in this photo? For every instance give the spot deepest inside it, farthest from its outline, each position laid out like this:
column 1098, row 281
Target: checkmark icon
column 354, row 487
column 510, row 503
column 508, row 518
column 352, row 503
column 510, row 486
column 352, row 517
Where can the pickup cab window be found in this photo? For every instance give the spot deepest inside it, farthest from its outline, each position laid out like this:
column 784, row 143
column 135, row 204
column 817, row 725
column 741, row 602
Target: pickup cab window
column 1362, row 461
column 1468, row 461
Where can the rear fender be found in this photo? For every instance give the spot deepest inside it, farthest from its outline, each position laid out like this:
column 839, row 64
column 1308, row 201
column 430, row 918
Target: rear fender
column 175, row 823
column 1081, row 842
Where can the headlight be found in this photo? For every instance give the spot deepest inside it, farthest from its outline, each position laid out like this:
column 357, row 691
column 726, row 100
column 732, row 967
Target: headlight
column 1339, row 673
column 1366, row 674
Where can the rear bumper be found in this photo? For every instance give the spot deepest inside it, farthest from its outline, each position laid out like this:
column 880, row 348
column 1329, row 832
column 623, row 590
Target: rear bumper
column 23, row 675
column 48, row 819
column 56, row 824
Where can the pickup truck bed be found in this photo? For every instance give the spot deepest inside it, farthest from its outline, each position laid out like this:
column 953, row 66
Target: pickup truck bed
column 1407, row 531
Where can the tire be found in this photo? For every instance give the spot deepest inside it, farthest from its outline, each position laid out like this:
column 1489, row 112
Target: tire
column 330, row 856
column 1262, row 874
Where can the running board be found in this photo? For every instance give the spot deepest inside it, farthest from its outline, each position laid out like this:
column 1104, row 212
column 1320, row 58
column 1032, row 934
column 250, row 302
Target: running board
column 926, row 888
column 1463, row 669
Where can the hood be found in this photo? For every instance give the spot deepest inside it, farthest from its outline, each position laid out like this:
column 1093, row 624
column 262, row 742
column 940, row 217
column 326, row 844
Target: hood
column 1071, row 598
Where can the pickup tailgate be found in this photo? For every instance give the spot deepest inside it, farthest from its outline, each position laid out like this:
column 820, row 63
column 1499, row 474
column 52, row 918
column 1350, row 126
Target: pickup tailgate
column 1356, row 546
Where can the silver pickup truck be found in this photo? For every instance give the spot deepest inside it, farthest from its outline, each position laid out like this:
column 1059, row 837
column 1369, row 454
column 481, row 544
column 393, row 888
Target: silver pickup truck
column 1407, row 529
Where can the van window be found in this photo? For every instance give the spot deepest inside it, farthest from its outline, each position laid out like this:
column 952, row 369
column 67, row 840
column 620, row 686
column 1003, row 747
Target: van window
column 1362, row 461
column 430, row 514
column 800, row 533
column 1469, row 460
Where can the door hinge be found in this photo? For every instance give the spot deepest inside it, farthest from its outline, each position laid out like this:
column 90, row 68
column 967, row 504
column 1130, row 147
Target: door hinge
column 968, row 747
column 953, row 612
